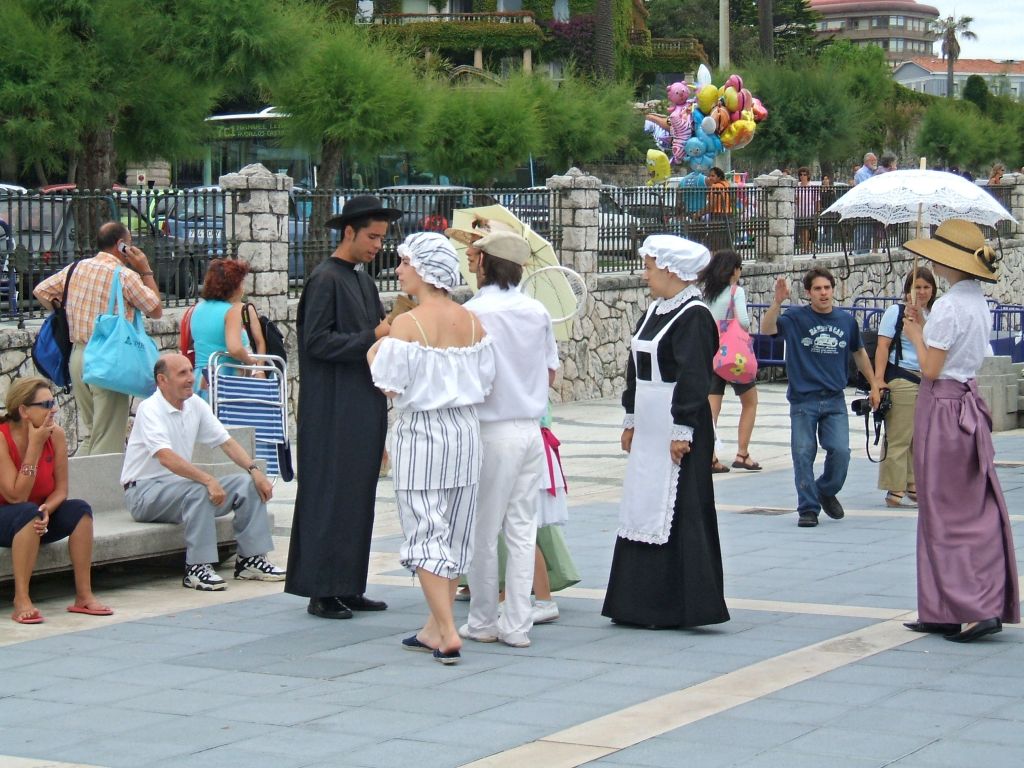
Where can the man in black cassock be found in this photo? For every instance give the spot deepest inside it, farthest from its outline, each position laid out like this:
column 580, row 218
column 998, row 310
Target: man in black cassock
column 342, row 419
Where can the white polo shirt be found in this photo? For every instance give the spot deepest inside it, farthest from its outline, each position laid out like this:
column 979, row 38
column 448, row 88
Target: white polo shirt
column 159, row 425
column 524, row 350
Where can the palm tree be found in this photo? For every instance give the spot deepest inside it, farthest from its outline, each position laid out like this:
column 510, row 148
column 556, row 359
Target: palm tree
column 949, row 30
column 766, row 28
column 604, row 39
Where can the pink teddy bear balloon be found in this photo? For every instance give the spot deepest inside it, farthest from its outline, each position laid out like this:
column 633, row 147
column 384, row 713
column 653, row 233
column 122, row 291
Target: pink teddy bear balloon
column 680, row 122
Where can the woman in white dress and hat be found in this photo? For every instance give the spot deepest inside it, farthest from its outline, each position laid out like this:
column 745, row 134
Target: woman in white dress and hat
column 967, row 582
column 437, row 365
column 667, row 566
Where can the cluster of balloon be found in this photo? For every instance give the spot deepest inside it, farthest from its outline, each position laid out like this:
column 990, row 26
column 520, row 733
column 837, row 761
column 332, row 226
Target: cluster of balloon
column 706, row 121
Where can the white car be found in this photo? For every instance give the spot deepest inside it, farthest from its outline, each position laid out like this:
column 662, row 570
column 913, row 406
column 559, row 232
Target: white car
column 618, row 231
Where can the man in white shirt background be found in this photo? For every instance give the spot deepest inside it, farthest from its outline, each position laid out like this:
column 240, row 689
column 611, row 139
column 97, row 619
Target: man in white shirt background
column 162, row 485
column 526, row 358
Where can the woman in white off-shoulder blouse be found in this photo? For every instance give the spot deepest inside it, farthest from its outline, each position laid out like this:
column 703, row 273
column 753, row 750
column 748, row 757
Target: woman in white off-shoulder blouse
column 437, row 364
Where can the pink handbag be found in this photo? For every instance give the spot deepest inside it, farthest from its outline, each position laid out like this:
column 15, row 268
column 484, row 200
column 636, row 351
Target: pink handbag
column 735, row 361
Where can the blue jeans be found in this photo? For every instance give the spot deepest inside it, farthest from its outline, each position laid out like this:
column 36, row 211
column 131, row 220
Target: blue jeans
column 815, row 419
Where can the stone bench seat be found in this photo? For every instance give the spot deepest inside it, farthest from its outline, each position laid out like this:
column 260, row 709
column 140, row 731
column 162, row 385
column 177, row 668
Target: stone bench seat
column 116, row 537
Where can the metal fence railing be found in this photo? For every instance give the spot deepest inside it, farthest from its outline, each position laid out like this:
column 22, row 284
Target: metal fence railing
column 1002, row 193
column 734, row 218
column 42, row 231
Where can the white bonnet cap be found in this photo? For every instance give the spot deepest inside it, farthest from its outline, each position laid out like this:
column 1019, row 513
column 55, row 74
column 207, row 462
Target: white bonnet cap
column 433, row 258
column 684, row 258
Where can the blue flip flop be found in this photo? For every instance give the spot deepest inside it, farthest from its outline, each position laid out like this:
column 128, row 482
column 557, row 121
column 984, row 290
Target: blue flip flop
column 411, row 643
column 451, row 657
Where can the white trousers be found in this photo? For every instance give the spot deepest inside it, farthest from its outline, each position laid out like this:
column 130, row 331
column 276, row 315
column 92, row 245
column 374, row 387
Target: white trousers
column 438, row 528
column 513, row 461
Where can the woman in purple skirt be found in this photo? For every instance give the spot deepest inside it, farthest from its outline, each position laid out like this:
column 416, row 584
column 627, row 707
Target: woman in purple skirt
column 966, row 571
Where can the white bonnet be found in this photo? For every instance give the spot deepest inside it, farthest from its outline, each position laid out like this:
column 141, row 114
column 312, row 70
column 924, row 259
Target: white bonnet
column 433, row 258
column 684, row 258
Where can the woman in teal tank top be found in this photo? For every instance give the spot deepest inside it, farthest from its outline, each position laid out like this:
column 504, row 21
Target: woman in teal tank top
column 217, row 320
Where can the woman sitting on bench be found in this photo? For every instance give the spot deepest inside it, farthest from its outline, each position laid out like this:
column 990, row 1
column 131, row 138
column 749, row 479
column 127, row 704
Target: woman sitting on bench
column 34, row 507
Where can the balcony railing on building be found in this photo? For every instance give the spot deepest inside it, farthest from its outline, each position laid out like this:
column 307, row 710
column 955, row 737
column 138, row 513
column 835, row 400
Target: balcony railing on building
column 497, row 17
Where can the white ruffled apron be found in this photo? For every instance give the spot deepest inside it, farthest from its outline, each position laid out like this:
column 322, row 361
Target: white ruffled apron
column 649, row 490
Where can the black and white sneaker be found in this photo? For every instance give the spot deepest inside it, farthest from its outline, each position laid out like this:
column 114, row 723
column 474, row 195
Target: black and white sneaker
column 201, row 576
column 257, row 568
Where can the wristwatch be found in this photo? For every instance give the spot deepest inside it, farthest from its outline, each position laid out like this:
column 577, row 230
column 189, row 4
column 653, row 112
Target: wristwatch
column 252, row 467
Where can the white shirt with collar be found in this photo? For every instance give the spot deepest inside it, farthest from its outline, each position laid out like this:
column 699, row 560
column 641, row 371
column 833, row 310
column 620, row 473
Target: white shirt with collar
column 159, row 425
column 960, row 323
column 524, row 351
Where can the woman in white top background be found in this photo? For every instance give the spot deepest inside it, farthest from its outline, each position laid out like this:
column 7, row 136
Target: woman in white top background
column 436, row 365
column 720, row 285
column 966, row 569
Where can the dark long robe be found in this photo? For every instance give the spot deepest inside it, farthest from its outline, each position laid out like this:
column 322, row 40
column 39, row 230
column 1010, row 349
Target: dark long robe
column 342, row 422
column 678, row 583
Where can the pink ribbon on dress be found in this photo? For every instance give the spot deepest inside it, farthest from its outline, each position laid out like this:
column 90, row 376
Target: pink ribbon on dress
column 551, row 444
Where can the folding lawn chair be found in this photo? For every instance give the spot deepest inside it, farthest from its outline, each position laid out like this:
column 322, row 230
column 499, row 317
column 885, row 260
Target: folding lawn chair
column 240, row 400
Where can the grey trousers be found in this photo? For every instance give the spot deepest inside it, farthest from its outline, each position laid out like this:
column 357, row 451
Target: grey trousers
column 178, row 500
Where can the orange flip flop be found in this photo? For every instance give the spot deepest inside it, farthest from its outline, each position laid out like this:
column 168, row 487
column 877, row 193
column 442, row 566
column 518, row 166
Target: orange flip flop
column 34, row 618
column 90, row 611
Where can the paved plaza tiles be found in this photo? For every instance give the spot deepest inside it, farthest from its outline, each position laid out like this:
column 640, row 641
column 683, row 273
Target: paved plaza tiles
column 815, row 668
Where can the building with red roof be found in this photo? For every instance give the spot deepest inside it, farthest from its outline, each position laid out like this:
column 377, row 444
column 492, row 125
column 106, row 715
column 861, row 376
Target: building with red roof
column 927, row 74
column 901, row 28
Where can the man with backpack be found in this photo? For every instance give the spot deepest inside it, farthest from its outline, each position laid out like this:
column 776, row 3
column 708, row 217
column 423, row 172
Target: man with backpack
column 104, row 413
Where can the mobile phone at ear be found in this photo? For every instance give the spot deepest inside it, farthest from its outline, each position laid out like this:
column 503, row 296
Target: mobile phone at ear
column 122, row 248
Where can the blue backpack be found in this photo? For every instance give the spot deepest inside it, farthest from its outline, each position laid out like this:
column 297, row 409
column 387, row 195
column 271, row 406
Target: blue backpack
column 51, row 351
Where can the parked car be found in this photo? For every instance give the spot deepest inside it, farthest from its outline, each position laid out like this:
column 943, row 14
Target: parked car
column 429, row 208
column 618, row 231
column 43, row 228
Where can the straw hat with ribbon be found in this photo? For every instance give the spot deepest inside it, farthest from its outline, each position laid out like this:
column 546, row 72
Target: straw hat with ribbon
column 960, row 245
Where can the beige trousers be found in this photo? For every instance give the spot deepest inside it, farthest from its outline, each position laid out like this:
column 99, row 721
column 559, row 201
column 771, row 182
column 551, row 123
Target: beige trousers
column 104, row 414
column 896, row 472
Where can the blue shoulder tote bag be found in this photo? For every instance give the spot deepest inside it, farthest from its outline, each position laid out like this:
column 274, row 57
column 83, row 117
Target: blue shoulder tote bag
column 119, row 355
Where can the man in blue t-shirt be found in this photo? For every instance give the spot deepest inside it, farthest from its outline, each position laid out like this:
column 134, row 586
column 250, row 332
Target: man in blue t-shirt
column 819, row 341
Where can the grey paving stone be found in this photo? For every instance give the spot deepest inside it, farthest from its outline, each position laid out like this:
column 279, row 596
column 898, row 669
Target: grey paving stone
column 439, row 700
column 996, row 732
column 348, row 693
column 162, row 674
column 17, row 656
column 956, row 753
column 231, row 756
column 397, row 752
column 473, row 731
column 841, row 741
column 558, row 669
column 253, row 710
column 787, row 759
column 245, row 683
column 201, row 731
column 87, row 692
column 229, row 659
column 661, row 753
column 803, row 712
column 382, row 723
column 177, row 702
column 829, row 692
column 308, row 742
column 947, row 701
column 319, row 669
column 16, row 681
column 873, row 719
column 728, row 728
column 553, row 715
column 119, row 753
column 498, row 682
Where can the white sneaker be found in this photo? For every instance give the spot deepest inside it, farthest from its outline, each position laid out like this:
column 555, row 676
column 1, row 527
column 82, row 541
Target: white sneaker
column 545, row 611
column 516, row 640
column 201, row 576
column 257, row 568
column 480, row 637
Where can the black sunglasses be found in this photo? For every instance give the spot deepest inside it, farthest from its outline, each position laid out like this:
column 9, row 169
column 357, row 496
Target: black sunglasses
column 47, row 404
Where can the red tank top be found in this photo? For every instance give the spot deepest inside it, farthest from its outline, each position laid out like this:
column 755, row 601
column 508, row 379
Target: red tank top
column 45, row 481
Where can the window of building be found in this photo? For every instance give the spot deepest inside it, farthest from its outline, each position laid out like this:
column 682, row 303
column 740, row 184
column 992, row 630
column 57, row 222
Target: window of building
column 896, row 44
column 861, row 23
column 508, row 6
column 879, row 22
column 831, row 25
column 897, row 21
column 561, row 10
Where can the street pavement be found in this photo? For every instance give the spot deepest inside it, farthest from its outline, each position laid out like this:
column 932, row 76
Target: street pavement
column 814, row 669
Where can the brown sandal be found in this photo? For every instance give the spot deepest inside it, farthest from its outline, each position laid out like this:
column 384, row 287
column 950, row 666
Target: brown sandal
column 893, row 499
column 718, row 467
column 743, row 461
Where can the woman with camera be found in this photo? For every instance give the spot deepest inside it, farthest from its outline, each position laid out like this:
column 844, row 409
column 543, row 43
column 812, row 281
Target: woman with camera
column 966, row 570
column 897, row 365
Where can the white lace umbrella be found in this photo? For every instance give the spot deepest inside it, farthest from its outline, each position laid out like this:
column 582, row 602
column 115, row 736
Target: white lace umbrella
column 901, row 196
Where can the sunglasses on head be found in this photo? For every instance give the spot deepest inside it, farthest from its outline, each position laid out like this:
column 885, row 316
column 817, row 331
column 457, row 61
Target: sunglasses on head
column 47, row 404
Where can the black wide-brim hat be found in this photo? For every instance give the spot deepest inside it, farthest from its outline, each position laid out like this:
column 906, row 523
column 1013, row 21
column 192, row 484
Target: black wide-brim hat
column 359, row 206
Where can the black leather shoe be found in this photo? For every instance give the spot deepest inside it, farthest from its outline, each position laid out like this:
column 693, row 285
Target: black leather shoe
column 982, row 628
column 928, row 626
column 363, row 603
column 830, row 506
column 328, row 608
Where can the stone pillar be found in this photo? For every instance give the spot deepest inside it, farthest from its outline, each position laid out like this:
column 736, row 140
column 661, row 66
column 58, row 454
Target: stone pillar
column 527, row 60
column 999, row 388
column 1016, row 200
column 575, row 208
column 478, row 58
column 256, row 225
column 780, row 195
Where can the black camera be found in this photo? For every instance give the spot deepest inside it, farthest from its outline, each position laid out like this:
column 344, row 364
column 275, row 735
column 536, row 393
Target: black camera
column 862, row 407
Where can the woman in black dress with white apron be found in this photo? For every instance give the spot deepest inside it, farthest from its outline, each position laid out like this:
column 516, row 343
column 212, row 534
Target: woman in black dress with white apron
column 667, row 566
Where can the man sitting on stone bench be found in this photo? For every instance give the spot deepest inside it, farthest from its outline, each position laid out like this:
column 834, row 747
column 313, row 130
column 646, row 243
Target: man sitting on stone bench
column 163, row 486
